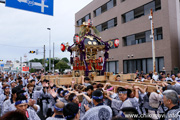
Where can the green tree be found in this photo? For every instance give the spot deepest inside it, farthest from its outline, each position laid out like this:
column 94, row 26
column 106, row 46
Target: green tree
column 32, row 70
column 62, row 65
column 57, row 62
column 65, row 59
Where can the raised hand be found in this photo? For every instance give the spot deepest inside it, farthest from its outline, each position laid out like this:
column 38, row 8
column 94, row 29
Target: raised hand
column 53, row 93
column 31, row 102
column 86, row 107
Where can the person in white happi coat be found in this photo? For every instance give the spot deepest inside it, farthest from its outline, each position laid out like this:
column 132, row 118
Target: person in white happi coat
column 25, row 80
column 100, row 111
column 46, row 98
column 65, row 97
column 22, row 104
column 5, row 96
column 30, row 92
column 9, row 105
column 122, row 103
column 39, row 81
column 34, row 77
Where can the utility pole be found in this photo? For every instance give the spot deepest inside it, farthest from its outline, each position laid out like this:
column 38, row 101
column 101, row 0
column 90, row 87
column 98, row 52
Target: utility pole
column 153, row 42
column 53, row 57
column 49, row 49
column 21, row 65
column 44, row 60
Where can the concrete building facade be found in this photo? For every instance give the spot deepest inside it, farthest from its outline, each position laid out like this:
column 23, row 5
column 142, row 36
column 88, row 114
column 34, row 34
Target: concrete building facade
column 127, row 20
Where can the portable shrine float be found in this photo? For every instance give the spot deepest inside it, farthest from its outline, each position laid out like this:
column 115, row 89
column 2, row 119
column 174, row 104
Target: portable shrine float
column 86, row 50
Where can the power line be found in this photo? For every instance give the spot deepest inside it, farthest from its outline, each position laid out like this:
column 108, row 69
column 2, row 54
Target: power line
column 19, row 46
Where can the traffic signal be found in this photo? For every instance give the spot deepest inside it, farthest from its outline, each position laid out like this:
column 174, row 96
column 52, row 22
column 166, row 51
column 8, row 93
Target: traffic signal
column 31, row 51
column 1, row 60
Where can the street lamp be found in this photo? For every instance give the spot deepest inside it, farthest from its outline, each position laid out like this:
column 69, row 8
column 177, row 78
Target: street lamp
column 49, row 49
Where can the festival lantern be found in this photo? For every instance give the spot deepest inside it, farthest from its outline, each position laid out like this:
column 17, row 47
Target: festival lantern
column 77, row 39
column 63, row 47
column 100, row 59
column 116, row 43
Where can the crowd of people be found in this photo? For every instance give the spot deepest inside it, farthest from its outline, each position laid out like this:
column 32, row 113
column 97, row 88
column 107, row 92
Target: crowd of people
column 29, row 97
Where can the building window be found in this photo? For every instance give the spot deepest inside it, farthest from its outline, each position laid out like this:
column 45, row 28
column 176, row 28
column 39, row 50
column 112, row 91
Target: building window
column 142, row 37
column 148, row 7
column 157, row 4
column 105, row 7
column 129, row 16
column 111, row 4
column 87, row 17
column 112, row 23
column 107, row 25
column 98, row 11
column 129, row 40
column 99, row 28
column 84, row 19
column 112, row 66
column 122, row 0
column 158, row 34
column 141, row 11
column 145, row 65
column 104, row 26
column 79, row 22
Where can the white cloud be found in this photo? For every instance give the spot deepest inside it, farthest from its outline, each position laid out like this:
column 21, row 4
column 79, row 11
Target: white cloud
column 23, row 28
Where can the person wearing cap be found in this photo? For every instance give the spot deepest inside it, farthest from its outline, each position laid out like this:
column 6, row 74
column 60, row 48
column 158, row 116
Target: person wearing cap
column 100, row 111
column 71, row 111
column 170, row 100
column 123, row 102
column 8, row 105
column 22, row 105
column 58, row 112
